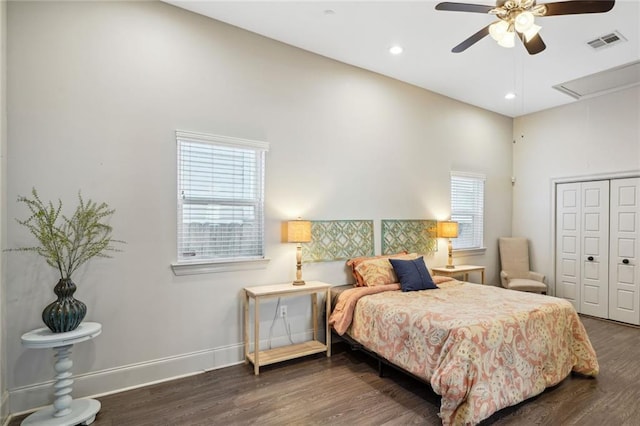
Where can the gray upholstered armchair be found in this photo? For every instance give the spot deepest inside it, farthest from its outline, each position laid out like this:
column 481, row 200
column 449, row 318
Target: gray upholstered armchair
column 515, row 273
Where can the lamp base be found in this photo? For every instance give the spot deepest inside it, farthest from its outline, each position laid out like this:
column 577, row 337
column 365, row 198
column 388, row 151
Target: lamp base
column 298, row 282
column 450, row 255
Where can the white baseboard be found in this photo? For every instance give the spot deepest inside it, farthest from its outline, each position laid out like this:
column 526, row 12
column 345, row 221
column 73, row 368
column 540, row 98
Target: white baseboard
column 99, row 383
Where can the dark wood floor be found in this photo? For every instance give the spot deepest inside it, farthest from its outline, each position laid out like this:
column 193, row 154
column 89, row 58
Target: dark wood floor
column 346, row 390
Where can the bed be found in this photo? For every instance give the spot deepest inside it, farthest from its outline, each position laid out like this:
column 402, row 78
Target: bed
column 481, row 348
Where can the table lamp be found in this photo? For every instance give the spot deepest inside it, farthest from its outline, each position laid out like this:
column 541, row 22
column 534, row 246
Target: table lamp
column 448, row 229
column 298, row 231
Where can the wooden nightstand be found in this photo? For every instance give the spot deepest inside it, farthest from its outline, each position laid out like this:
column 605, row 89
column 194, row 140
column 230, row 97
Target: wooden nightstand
column 460, row 270
column 270, row 356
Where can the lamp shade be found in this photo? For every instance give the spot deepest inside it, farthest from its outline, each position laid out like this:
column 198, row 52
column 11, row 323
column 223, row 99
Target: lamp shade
column 524, row 21
column 298, row 231
column 448, row 229
column 498, row 29
column 531, row 32
column 508, row 40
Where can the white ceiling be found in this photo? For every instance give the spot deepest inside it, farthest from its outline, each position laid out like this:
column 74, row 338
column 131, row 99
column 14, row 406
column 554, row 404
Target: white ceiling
column 360, row 33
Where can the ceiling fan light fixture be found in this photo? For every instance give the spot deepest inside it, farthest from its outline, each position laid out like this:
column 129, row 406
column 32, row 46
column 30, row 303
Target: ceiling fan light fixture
column 524, row 21
column 531, row 32
column 497, row 30
column 508, row 40
column 518, row 16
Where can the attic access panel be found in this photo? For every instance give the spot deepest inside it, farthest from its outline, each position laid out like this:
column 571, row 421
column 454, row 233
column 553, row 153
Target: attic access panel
column 607, row 81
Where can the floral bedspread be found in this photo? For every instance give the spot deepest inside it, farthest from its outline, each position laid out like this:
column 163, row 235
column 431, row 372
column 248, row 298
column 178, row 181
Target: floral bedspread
column 482, row 348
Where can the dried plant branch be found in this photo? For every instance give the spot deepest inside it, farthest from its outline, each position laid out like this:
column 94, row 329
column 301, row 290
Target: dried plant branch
column 65, row 242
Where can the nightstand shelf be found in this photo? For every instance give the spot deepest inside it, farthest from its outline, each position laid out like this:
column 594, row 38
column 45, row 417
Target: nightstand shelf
column 270, row 356
column 284, row 353
column 459, row 270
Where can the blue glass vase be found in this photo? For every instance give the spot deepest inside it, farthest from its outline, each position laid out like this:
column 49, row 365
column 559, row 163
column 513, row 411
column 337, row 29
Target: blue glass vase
column 66, row 313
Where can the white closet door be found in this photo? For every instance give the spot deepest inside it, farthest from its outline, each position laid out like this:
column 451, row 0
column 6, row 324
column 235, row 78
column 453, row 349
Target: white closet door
column 568, row 242
column 624, row 277
column 594, row 293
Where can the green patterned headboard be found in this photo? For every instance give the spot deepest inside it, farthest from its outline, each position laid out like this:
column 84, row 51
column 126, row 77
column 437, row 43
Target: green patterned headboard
column 338, row 240
column 414, row 236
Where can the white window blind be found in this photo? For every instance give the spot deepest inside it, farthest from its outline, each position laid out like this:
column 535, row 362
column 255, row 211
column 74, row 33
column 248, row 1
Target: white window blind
column 220, row 198
column 467, row 208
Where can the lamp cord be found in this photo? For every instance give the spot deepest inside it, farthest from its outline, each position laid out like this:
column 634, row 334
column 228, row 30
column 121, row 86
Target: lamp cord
column 287, row 326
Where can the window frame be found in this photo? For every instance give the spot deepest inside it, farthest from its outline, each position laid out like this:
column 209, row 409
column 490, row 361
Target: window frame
column 200, row 265
column 478, row 246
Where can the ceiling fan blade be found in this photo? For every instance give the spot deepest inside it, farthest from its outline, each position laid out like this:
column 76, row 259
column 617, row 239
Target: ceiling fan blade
column 471, row 40
column 533, row 46
column 463, row 7
column 578, row 6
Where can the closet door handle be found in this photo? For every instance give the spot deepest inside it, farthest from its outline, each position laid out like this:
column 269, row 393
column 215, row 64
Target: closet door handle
column 590, row 258
column 625, row 261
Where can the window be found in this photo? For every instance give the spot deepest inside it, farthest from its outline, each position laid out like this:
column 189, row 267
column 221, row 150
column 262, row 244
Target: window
column 220, row 198
column 467, row 208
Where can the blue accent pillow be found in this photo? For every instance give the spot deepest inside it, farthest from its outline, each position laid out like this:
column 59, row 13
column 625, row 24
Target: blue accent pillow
column 413, row 274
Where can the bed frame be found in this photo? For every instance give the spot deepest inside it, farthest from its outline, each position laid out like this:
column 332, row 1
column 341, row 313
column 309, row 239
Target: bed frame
column 382, row 362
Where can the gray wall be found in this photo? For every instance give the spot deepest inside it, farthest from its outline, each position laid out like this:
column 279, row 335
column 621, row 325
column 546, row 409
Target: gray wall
column 95, row 93
column 3, row 155
column 590, row 138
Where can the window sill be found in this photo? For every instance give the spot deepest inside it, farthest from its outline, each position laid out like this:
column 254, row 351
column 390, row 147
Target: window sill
column 209, row 267
column 469, row 252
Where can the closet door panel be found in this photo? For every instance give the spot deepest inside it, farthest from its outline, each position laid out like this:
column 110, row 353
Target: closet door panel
column 568, row 243
column 594, row 232
column 624, row 277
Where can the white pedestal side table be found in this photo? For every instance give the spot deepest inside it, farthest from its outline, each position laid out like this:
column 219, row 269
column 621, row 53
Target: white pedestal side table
column 65, row 410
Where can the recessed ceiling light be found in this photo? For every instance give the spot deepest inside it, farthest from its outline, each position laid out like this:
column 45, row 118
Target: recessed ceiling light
column 329, row 12
column 395, row 50
column 510, row 96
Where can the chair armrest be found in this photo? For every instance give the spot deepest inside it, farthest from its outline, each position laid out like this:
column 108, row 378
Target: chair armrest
column 536, row 276
column 504, row 278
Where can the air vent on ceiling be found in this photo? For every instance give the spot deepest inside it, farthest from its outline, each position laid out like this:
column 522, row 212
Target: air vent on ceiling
column 607, row 40
column 607, row 81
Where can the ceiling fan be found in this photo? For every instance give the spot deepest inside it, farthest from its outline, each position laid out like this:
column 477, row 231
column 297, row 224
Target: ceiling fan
column 516, row 17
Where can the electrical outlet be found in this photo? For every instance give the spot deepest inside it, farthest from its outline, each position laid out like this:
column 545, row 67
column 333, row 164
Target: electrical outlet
column 283, row 311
